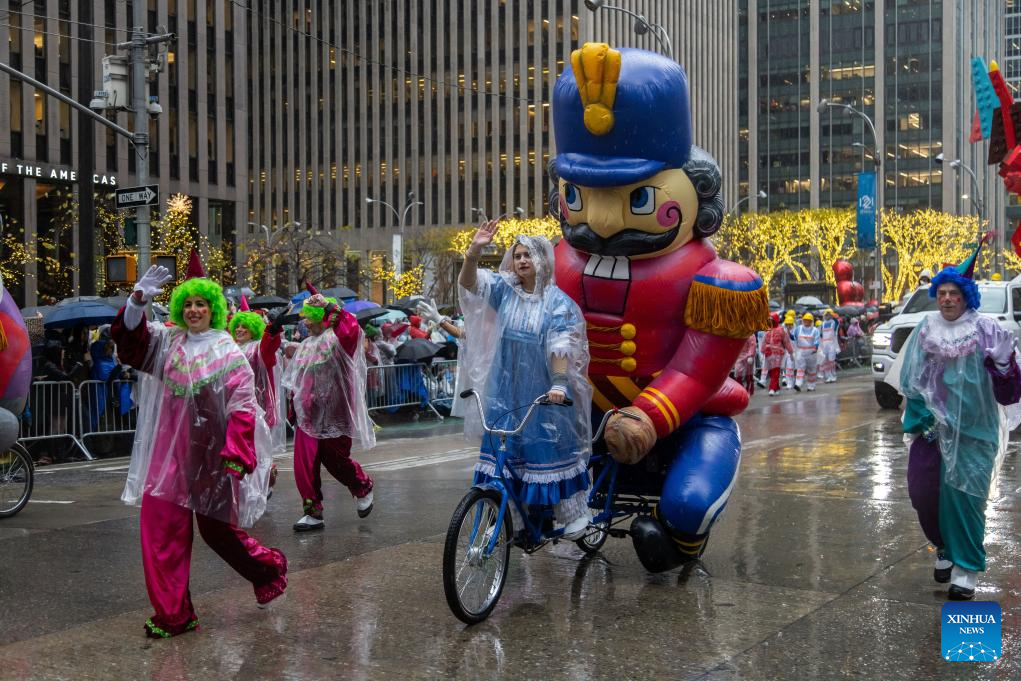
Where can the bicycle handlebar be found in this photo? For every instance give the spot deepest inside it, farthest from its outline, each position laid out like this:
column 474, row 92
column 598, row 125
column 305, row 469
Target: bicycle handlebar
column 541, row 400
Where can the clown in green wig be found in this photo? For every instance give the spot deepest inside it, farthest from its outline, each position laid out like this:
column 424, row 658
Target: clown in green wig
column 316, row 314
column 207, row 289
column 251, row 321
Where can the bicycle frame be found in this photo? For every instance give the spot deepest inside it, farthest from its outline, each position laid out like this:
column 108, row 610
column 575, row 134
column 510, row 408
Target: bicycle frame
column 534, row 537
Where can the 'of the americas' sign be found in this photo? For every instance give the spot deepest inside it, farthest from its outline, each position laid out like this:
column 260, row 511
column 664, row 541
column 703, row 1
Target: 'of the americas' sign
column 48, row 172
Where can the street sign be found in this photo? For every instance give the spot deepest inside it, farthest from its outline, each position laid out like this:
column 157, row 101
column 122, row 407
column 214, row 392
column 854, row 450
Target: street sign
column 132, row 197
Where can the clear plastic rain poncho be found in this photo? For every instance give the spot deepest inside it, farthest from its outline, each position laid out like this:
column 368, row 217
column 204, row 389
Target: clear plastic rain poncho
column 944, row 366
column 511, row 337
column 266, row 392
column 328, row 387
column 190, row 386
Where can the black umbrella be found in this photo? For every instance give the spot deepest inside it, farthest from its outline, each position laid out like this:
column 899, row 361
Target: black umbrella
column 340, row 293
column 370, row 313
column 407, row 302
column 235, row 292
column 447, row 351
column 268, row 301
column 417, row 350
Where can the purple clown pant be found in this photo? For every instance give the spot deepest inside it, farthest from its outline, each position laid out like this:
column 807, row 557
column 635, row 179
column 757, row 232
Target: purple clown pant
column 923, row 486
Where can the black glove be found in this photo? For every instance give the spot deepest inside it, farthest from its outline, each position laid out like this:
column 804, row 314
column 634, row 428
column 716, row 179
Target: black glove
column 277, row 324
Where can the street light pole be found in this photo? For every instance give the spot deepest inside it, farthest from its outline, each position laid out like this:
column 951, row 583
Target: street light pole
column 761, row 195
column 979, row 205
column 641, row 25
column 397, row 253
column 880, row 186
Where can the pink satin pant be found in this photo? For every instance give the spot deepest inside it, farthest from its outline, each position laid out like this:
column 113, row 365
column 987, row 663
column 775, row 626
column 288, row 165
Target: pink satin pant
column 167, row 536
column 335, row 455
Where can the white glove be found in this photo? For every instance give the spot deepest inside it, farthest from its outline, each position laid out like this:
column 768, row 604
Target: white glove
column 429, row 312
column 151, row 283
column 1002, row 350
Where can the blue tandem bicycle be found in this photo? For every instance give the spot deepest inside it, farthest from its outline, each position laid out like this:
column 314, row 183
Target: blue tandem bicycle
column 476, row 553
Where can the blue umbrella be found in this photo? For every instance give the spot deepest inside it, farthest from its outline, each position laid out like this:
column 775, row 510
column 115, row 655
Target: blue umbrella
column 358, row 305
column 88, row 313
column 298, row 297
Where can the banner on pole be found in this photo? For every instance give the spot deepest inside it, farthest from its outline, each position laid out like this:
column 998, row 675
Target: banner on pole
column 866, row 210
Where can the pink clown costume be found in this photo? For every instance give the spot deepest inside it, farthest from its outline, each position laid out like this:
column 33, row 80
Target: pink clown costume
column 201, row 448
column 326, row 376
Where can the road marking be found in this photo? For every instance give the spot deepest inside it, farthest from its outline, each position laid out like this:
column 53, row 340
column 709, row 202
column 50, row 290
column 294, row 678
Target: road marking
column 48, row 501
column 107, row 469
column 423, row 460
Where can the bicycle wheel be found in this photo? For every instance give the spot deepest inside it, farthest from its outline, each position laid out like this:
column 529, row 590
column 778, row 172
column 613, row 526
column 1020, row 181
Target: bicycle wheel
column 594, row 537
column 16, row 477
column 473, row 580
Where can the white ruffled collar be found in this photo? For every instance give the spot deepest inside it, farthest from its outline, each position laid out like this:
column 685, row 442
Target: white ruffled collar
column 950, row 340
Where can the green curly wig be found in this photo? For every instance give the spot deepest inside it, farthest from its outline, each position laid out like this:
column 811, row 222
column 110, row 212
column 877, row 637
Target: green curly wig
column 316, row 314
column 251, row 321
column 206, row 288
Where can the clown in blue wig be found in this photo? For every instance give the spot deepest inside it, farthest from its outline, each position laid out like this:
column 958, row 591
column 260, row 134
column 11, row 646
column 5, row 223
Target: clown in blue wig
column 959, row 372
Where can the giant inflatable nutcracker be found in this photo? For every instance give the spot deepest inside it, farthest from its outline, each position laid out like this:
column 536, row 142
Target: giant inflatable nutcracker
column 666, row 317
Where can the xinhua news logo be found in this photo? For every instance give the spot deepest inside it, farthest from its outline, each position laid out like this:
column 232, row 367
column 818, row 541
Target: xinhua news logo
column 970, row 631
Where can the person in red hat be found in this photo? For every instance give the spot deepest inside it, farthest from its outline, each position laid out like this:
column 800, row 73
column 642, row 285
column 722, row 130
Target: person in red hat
column 776, row 346
column 201, row 446
column 327, row 377
column 416, row 330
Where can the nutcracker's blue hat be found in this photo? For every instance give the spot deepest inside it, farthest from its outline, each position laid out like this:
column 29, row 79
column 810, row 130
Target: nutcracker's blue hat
column 620, row 116
column 963, row 276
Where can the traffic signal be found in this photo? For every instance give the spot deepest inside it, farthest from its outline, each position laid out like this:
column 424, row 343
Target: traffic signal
column 121, row 268
column 168, row 261
column 130, row 232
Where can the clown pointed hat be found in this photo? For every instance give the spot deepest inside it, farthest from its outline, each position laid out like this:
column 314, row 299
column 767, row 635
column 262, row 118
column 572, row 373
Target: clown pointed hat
column 967, row 267
column 244, row 304
column 310, row 288
column 195, row 269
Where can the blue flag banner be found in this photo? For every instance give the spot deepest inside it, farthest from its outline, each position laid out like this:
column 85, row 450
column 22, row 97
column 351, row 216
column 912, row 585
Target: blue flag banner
column 866, row 210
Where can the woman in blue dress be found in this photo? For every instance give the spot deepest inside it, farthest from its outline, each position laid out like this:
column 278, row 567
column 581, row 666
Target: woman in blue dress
column 525, row 337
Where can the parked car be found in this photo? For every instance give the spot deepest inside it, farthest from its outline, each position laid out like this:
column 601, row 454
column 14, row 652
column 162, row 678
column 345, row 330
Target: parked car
column 1001, row 300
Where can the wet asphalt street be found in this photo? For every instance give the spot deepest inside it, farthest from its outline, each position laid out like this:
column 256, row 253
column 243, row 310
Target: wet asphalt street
column 817, row 570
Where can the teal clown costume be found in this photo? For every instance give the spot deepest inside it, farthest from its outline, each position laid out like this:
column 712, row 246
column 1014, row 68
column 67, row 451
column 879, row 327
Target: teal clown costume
column 666, row 318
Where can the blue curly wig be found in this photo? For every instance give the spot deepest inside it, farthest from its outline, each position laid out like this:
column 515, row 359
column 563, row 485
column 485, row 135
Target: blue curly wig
column 950, row 275
column 206, row 288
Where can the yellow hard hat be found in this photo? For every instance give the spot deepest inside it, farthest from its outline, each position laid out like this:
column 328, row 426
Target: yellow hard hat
column 997, row 276
column 818, row 322
column 808, row 316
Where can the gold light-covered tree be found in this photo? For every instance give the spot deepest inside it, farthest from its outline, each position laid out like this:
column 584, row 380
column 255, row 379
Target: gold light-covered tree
column 548, row 227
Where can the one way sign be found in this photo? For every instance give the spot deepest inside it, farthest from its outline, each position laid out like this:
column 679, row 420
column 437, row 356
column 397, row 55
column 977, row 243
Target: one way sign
column 132, row 197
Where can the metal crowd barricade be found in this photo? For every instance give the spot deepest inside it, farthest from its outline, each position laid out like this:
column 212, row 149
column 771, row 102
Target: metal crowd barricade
column 398, row 385
column 106, row 408
column 442, row 382
column 52, row 413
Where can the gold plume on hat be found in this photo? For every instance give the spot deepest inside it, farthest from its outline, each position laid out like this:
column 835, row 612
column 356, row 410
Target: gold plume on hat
column 596, row 69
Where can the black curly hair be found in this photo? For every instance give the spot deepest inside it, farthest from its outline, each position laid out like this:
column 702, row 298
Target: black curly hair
column 704, row 173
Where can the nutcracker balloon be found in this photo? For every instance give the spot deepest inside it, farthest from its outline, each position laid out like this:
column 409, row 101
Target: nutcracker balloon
column 666, row 317
column 15, row 367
